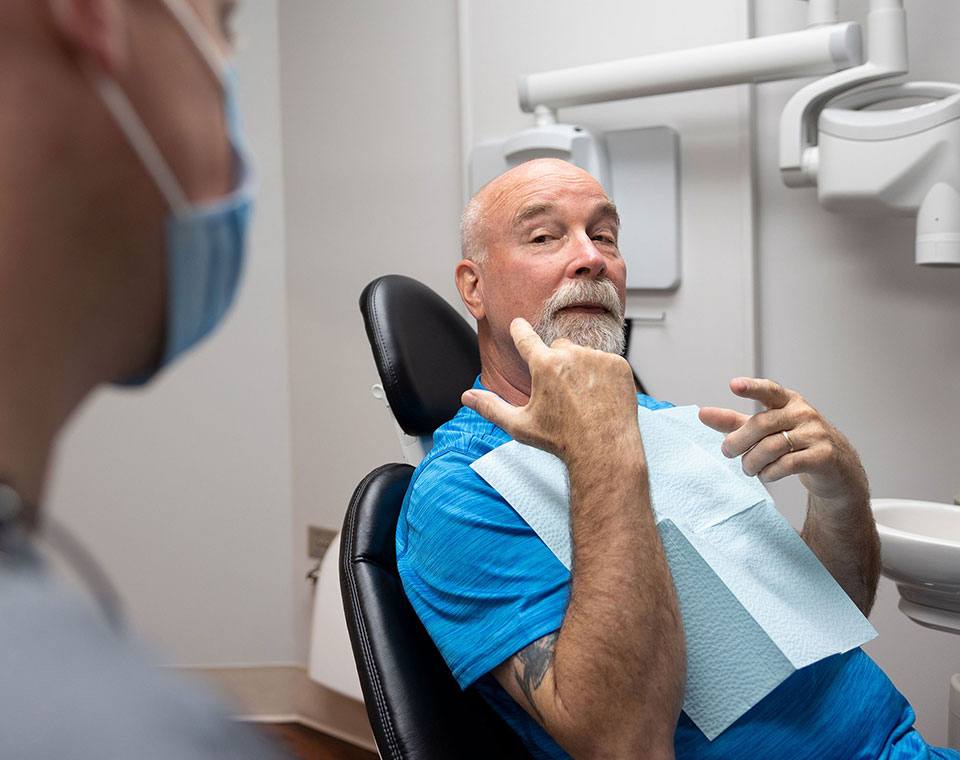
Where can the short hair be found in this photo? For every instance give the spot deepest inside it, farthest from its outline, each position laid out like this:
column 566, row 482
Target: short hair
column 472, row 243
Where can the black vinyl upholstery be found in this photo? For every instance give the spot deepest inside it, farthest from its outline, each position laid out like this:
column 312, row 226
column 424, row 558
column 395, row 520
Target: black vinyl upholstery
column 415, row 706
column 425, row 352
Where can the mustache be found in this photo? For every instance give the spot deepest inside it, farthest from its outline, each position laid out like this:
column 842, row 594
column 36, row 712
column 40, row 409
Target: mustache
column 576, row 292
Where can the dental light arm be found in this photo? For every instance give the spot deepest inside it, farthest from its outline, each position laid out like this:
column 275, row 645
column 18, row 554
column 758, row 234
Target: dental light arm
column 818, row 50
column 823, row 48
column 862, row 160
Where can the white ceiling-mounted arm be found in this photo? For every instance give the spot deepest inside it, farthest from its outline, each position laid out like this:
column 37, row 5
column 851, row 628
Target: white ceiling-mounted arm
column 818, row 50
column 887, row 57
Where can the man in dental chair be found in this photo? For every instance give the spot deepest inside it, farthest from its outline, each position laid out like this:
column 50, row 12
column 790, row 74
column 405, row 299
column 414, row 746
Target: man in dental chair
column 591, row 662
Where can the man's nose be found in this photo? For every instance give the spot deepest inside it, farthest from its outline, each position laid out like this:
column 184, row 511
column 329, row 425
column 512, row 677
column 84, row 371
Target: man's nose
column 587, row 260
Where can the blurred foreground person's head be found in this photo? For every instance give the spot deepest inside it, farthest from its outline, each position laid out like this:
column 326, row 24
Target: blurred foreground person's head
column 123, row 202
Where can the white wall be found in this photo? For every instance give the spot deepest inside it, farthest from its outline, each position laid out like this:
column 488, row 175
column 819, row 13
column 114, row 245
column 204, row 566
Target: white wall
column 869, row 338
column 370, row 134
column 182, row 490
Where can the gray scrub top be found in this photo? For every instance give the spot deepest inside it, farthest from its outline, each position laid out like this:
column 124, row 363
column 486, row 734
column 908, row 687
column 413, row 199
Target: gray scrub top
column 70, row 687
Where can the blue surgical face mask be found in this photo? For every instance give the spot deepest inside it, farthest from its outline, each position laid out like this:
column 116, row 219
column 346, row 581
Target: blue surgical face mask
column 205, row 242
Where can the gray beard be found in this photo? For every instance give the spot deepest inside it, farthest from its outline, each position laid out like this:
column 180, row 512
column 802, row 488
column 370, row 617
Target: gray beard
column 603, row 332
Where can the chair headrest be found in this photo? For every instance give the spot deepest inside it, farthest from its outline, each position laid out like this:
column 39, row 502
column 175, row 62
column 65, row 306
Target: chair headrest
column 425, row 352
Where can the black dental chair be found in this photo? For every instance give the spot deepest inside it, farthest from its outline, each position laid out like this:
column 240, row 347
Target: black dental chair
column 426, row 355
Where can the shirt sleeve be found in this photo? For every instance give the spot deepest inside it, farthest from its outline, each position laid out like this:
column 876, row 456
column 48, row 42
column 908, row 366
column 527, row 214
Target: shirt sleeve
column 480, row 579
column 651, row 403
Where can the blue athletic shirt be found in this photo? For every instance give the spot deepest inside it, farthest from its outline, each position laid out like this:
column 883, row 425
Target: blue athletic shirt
column 485, row 586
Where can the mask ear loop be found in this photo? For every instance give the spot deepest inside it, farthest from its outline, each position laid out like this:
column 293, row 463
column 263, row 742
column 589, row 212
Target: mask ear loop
column 130, row 123
column 187, row 17
column 142, row 143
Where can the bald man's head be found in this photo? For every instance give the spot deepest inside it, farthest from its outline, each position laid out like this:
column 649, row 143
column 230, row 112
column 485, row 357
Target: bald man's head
column 478, row 215
column 540, row 242
column 78, row 196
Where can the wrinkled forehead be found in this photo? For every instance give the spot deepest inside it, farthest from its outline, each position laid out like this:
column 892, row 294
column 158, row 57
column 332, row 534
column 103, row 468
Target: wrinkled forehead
column 555, row 187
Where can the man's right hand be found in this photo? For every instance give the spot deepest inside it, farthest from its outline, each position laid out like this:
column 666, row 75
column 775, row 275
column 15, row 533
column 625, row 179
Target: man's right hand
column 580, row 398
column 610, row 682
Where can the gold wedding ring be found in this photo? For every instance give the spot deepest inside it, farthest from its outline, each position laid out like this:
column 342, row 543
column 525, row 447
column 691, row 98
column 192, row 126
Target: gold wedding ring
column 789, row 442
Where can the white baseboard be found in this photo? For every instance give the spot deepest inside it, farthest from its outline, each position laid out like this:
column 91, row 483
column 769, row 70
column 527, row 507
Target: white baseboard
column 285, row 694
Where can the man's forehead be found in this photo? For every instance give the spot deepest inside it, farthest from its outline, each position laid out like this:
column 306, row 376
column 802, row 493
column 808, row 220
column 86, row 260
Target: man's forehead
column 542, row 189
column 594, row 205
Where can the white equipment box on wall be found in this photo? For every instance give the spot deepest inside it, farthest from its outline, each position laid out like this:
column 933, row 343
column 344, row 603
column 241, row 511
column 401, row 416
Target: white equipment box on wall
column 640, row 170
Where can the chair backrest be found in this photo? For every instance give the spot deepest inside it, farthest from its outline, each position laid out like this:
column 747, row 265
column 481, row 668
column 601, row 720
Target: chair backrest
column 426, row 353
column 415, row 706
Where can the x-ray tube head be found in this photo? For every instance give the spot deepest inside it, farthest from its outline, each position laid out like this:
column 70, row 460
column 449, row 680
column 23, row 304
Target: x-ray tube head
column 565, row 141
column 899, row 161
column 938, row 227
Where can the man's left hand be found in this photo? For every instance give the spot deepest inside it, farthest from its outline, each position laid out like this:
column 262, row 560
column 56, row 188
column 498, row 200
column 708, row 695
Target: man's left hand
column 789, row 437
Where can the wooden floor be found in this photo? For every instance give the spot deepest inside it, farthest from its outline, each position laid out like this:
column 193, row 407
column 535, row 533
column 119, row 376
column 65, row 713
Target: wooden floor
column 306, row 744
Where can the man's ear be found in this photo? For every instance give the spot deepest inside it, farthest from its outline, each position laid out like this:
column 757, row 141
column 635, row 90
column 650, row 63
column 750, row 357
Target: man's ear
column 468, row 278
column 94, row 30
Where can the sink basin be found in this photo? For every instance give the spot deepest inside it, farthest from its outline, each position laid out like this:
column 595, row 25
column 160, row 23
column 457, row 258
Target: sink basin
column 920, row 551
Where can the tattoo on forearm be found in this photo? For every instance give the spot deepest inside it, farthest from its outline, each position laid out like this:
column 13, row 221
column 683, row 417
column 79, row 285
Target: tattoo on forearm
column 531, row 665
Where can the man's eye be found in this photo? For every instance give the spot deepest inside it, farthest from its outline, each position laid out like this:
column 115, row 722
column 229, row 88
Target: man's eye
column 540, row 239
column 608, row 239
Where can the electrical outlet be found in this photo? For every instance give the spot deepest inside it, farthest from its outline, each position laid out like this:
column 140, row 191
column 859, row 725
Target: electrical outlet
column 318, row 541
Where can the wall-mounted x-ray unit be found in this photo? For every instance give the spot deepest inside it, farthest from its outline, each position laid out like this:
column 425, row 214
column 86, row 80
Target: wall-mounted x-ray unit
column 901, row 161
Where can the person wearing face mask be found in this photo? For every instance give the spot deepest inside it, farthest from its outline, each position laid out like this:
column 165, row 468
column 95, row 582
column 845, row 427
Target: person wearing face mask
column 124, row 201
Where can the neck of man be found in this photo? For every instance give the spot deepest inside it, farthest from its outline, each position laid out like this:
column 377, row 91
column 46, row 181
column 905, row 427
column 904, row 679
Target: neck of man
column 28, row 431
column 502, row 369
column 27, row 434
column 40, row 384
column 75, row 309
column 57, row 341
column 62, row 333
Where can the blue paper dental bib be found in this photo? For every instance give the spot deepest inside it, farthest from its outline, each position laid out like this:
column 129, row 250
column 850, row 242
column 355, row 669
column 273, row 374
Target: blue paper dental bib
column 756, row 603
